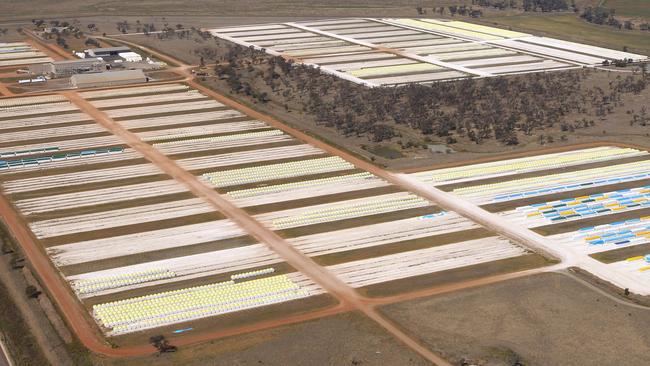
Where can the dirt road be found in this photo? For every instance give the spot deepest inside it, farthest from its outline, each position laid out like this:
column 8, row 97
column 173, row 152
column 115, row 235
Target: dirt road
column 54, row 51
column 4, row 91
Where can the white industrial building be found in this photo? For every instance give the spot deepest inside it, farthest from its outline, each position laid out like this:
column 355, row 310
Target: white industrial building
column 130, row 56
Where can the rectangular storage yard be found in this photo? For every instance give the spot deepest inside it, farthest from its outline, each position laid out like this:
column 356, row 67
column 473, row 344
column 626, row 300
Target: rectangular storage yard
column 379, row 52
column 141, row 251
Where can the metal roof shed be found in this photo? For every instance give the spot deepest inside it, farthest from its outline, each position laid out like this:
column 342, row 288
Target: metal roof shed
column 104, row 79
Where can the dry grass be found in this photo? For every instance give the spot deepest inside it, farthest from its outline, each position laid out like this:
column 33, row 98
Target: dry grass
column 546, row 319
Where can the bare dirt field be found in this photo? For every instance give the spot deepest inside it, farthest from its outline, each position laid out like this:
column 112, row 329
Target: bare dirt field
column 232, row 8
column 346, row 339
column 545, row 319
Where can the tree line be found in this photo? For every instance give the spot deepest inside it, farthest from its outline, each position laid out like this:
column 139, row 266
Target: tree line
column 498, row 108
column 607, row 16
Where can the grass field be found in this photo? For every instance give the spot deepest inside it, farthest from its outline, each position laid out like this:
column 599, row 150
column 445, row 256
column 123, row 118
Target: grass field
column 13, row 326
column 236, row 8
column 630, row 8
column 345, row 339
column 546, row 319
column 572, row 28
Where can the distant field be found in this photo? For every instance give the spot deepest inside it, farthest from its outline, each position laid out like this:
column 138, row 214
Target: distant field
column 13, row 10
column 546, row 319
column 630, row 8
column 572, row 28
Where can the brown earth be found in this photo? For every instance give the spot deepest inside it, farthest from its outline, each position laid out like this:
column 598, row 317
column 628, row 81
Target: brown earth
column 336, row 340
column 546, row 319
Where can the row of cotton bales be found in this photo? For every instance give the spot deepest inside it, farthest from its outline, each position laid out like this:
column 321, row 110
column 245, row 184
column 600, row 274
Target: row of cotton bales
column 119, row 217
column 588, row 202
column 342, row 210
column 98, row 196
column 147, row 169
column 186, row 118
column 258, row 255
column 508, row 167
column 144, row 242
column 556, row 183
column 20, row 53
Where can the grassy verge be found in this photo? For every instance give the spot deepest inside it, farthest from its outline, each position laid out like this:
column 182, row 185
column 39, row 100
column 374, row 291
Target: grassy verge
column 22, row 346
column 572, row 28
column 630, row 8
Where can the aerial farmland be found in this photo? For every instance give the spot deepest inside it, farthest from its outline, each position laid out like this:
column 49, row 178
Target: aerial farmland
column 142, row 252
column 209, row 213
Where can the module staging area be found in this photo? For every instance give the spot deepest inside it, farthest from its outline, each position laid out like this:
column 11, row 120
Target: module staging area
column 141, row 251
column 20, row 53
column 590, row 203
column 378, row 52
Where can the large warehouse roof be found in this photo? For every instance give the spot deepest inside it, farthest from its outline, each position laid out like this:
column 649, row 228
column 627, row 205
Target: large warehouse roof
column 108, row 78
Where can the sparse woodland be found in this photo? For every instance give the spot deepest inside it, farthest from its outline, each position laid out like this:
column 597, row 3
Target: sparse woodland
column 477, row 110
